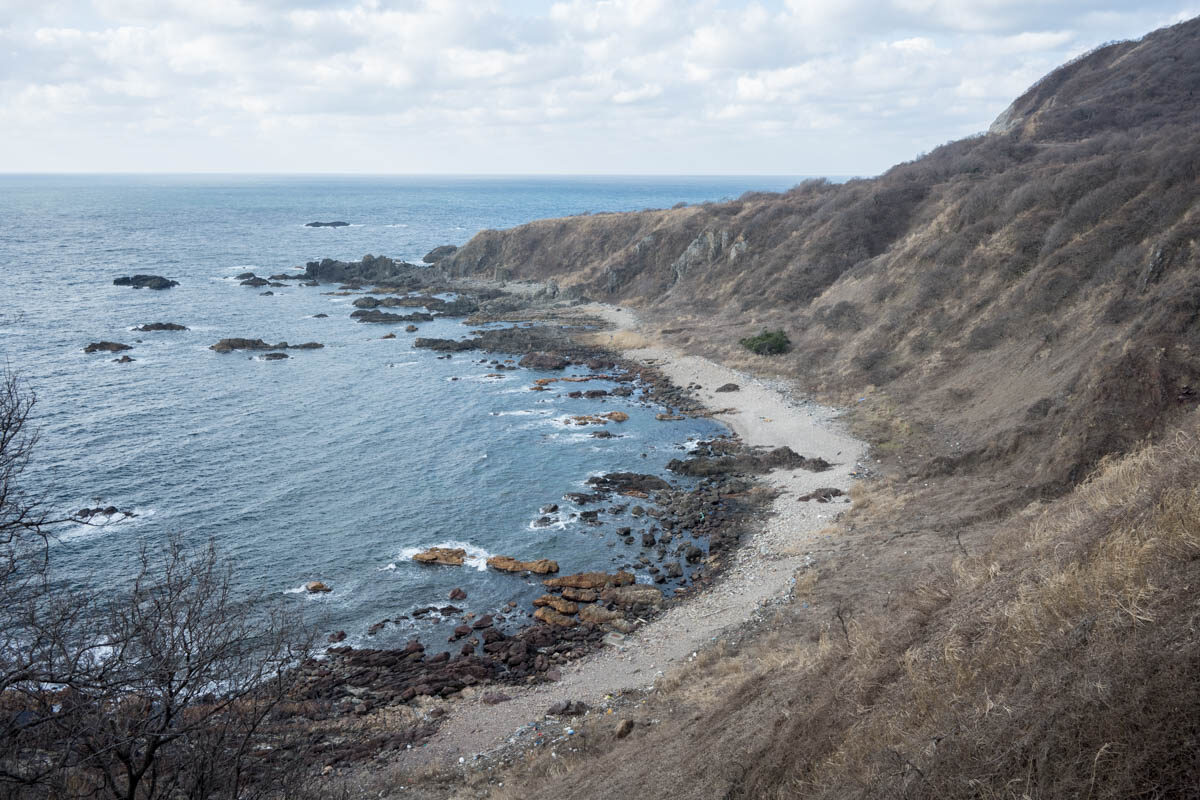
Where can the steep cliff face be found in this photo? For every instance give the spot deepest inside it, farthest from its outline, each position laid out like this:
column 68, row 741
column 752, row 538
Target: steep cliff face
column 1031, row 293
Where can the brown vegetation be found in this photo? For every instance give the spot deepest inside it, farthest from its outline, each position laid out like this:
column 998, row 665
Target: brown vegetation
column 1006, row 316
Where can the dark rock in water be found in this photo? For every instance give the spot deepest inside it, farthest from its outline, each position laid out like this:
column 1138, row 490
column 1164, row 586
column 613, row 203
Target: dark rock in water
column 550, row 508
column 446, row 345
column 275, row 356
column 229, row 345
column 364, row 315
column 366, row 302
column 377, row 627
column 266, row 294
column 277, row 285
column 334, row 224
column 388, row 336
column 728, row 387
column 340, row 636
column 622, row 391
column 410, row 328
column 107, row 511
column 371, row 269
column 320, row 316
column 459, row 307
column 146, row 282
column 123, row 360
column 543, row 361
column 245, row 276
column 438, row 253
column 543, row 522
column 594, row 394
column 603, row 435
column 284, row 277
column 160, row 326
column 458, row 594
column 628, row 481
column 255, row 282
column 106, row 347
column 485, row 621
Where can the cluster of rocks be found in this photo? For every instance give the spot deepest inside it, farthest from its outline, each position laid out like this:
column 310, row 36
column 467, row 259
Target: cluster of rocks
column 728, row 456
column 106, row 511
column 146, row 282
column 229, row 345
column 364, row 315
column 369, row 270
column 160, row 326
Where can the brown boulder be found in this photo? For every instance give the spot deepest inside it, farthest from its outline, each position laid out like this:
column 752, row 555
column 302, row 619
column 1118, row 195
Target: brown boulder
column 542, row 566
column 552, row 617
column 313, row 587
column 590, row 580
column 557, row 603
column 580, row 595
column 449, row 556
column 543, row 361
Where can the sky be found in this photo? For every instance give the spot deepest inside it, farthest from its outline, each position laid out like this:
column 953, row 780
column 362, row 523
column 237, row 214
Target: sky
column 783, row 87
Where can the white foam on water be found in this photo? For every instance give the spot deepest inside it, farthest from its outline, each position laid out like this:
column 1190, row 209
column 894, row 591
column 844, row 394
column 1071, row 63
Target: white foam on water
column 525, row 412
column 559, row 519
column 476, row 556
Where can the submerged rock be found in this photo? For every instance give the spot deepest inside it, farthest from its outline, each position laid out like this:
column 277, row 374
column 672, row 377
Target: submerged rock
column 334, row 224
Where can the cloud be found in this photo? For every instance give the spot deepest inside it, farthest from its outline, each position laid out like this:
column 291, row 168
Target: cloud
column 801, row 86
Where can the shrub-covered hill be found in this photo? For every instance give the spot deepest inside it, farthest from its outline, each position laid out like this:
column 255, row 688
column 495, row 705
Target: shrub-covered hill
column 1011, row 609
column 1029, row 294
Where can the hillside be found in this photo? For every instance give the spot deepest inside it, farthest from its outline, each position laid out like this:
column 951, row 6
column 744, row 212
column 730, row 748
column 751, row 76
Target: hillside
column 1013, row 320
column 1060, row 250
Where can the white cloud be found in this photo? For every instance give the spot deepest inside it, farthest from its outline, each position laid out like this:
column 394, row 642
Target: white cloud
column 802, row 86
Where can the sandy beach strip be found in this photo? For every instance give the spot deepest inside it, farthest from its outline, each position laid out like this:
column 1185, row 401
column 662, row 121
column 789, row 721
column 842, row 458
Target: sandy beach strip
column 759, row 573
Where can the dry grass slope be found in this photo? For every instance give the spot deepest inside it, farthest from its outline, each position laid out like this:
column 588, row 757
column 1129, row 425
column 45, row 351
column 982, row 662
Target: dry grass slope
column 1015, row 320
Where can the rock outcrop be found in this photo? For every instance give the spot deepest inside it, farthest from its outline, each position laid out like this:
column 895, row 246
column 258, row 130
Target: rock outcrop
column 146, row 282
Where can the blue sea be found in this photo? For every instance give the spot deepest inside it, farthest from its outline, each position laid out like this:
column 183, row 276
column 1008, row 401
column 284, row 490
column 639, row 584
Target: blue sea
column 336, row 464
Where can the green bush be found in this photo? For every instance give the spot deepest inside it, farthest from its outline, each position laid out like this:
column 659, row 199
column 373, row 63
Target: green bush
column 768, row 343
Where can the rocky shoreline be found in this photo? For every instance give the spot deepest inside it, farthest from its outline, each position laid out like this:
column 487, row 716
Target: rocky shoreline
column 687, row 529
column 686, row 532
